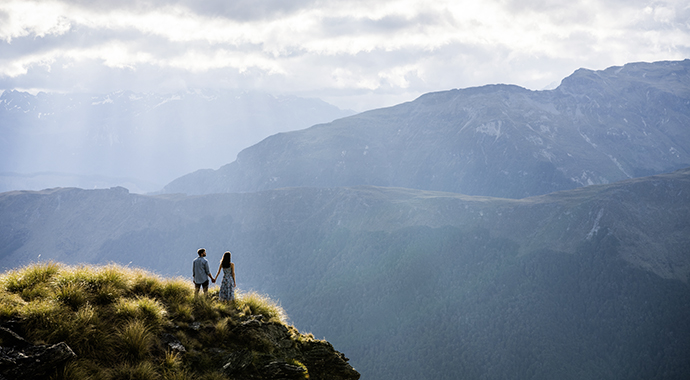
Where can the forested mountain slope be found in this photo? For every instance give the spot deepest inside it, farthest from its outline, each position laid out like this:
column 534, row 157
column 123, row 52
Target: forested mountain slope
column 586, row 283
column 597, row 127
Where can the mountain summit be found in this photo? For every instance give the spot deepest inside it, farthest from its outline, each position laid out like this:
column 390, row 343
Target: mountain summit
column 597, row 127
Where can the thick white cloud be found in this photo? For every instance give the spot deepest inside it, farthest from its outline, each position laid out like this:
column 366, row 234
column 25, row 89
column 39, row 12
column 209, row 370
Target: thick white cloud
column 357, row 54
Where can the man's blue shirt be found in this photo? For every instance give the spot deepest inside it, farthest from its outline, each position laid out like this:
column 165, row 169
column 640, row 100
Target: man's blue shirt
column 200, row 270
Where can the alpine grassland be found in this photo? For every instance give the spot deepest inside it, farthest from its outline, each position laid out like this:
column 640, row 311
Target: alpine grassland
column 113, row 318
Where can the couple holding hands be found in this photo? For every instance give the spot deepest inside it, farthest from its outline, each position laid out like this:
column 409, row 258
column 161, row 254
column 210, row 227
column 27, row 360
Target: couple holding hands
column 201, row 273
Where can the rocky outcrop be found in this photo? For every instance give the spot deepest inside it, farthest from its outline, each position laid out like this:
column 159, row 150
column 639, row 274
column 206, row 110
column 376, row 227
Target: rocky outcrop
column 281, row 352
column 253, row 349
column 20, row 359
column 256, row 349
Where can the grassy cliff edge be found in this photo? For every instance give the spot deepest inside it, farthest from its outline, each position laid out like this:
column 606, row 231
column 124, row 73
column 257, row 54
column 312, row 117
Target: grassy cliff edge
column 127, row 323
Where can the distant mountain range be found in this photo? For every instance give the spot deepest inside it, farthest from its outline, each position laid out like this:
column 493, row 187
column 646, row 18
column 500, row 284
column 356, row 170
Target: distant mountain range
column 409, row 284
column 141, row 141
column 597, row 127
column 483, row 233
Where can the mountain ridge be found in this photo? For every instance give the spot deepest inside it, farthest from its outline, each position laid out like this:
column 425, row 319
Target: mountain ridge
column 597, row 127
column 360, row 204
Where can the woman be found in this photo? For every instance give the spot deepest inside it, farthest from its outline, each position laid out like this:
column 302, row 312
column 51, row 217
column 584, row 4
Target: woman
column 227, row 287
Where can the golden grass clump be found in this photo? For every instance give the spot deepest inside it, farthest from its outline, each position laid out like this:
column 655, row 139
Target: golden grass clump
column 134, row 341
column 10, row 305
column 253, row 303
column 31, row 282
column 142, row 308
column 205, row 308
column 176, row 290
column 42, row 314
column 32, row 276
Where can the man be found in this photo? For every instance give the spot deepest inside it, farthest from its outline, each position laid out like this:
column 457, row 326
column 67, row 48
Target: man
column 201, row 272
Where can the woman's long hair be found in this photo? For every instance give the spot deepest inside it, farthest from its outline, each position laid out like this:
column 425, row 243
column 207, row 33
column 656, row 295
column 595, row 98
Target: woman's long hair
column 225, row 261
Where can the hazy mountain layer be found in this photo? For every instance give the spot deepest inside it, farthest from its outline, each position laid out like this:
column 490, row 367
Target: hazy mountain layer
column 141, row 141
column 597, row 127
column 409, row 284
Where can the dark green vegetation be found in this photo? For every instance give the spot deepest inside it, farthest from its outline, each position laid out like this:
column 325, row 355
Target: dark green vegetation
column 409, row 284
column 125, row 323
column 597, row 127
column 440, row 303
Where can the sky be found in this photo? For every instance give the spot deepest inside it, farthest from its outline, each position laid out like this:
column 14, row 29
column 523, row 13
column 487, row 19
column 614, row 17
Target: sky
column 354, row 54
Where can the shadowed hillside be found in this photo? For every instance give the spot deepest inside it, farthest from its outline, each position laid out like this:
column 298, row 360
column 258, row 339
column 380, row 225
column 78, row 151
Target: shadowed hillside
column 586, row 283
column 112, row 322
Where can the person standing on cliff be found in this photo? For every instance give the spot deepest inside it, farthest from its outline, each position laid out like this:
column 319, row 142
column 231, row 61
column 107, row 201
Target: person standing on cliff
column 200, row 272
column 227, row 287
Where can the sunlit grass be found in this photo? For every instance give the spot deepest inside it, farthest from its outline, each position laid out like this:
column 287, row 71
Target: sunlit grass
column 29, row 277
column 146, row 309
column 112, row 317
column 253, row 303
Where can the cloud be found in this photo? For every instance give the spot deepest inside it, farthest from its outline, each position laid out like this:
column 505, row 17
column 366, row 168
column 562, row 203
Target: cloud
column 336, row 50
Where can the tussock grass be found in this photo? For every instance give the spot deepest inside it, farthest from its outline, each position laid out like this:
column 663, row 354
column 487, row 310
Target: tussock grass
column 253, row 303
column 223, row 328
column 134, row 341
column 32, row 277
column 9, row 305
column 136, row 371
column 112, row 317
column 146, row 309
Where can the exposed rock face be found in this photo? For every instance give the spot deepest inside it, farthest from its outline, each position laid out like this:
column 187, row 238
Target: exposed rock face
column 319, row 357
column 597, row 127
column 259, row 350
column 267, row 350
column 21, row 360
